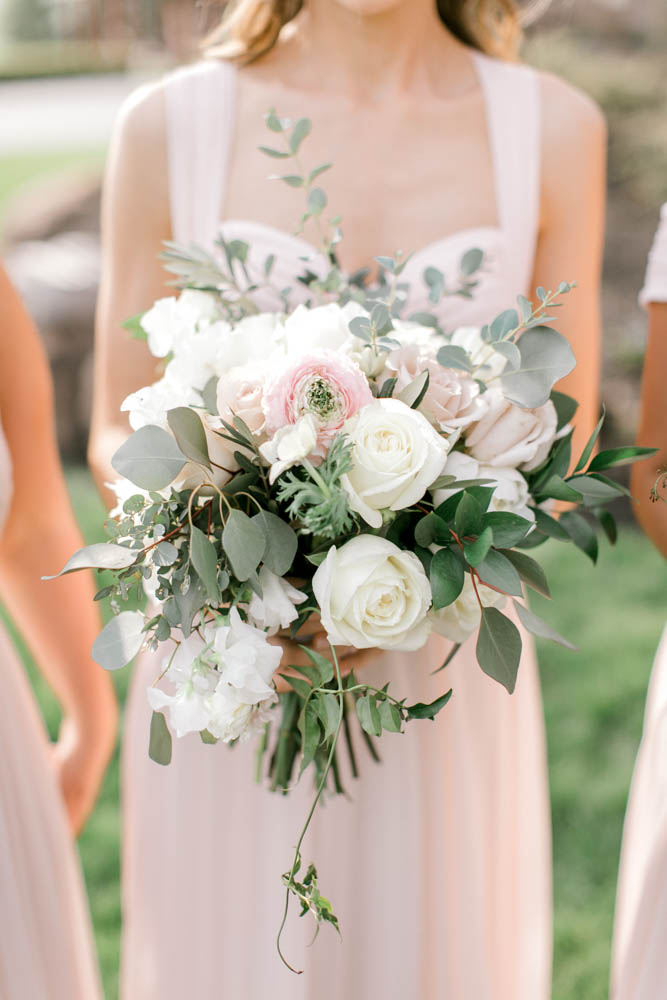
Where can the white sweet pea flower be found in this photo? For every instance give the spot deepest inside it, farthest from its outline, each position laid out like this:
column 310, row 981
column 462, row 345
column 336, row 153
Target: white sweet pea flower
column 396, row 455
column 169, row 321
column 510, row 492
column 510, row 435
column 459, row 620
column 193, row 680
column 373, row 595
column 290, row 445
column 150, row 404
column 276, row 608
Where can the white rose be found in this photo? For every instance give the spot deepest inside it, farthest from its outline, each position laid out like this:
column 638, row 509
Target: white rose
column 290, row 445
column 470, row 339
column 275, row 609
column 396, row 455
column 509, row 435
column 459, row 620
column 511, row 489
column 372, row 594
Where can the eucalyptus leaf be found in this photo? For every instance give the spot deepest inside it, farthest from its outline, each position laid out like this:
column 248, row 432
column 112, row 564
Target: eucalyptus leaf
column 546, row 357
column 452, row 356
column 497, row 571
column 186, row 426
column 581, row 532
column 244, row 543
column 590, row 444
column 468, row 517
column 508, row 528
column 165, row 554
column 471, row 261
column 613, row 457
column 414, row 391
column 204, row 558
column 529, row 570
column 503, row 324
column 499, row 647
column 530, row 621
column 281, row 542
column 595, row 490
column 150, row 458
column 475, row 552
column 299, row 132
column 317, row 201
column 209, row 395
column 120, row 640
column 566, row 407
column 188, row 604
column 447, row 576
column 159, row 743
column 101, row 555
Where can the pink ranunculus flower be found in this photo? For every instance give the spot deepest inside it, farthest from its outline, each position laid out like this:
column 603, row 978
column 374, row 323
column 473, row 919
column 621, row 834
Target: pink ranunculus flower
column 241, row 393
column 452, row 400
column 325, row 385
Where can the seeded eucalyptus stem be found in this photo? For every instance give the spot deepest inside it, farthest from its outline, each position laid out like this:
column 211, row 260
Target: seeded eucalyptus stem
column 288, row 878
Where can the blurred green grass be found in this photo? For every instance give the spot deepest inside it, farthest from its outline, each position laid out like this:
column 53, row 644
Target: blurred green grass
column 21, row 169
column 594, row 703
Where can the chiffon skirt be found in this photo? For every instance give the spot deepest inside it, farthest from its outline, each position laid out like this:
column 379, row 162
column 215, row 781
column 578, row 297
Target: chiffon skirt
column 639, row 962
column 46, row 946
column 438, row 865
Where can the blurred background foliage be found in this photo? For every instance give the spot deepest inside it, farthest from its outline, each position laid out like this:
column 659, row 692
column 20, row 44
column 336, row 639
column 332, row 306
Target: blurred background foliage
column 65, row 65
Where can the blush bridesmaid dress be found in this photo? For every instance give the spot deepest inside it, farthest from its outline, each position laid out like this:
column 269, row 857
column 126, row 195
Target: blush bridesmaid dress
column 639, row 958
column 439, row 867
column 46, row 941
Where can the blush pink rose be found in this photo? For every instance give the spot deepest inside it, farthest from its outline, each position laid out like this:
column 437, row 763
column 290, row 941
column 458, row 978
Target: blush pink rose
column 509, row 435
column 452, row 400
column 326, row 385
column 241, row 393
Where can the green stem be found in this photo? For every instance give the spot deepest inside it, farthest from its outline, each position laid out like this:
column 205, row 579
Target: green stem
column 320, row 788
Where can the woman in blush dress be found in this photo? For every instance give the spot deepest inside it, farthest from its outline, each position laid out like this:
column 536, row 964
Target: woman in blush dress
column 639, row 960
column 440, row 868
column 46, row 793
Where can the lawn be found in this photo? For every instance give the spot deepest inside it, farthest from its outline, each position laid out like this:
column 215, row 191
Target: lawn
column 593, row 702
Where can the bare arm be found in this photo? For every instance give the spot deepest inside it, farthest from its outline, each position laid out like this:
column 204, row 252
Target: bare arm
column 572, row 235
column 58, row 619
column 135, row 221
column 653, row 429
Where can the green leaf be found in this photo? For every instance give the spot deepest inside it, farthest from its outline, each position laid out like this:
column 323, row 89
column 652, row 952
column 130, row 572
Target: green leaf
column 311, row 735
column 321, row 663
column 414, row 391
column 208, row 738
column 133, row 324
column 581, row 532
column 120, row 640
column 508, row 528
column 476, row 551
column 550, row 526
column 302, row 688
column 447, row 576
column 595, row 490
column 608, row 523
column 471, row 261
column 423, row 711
column 186, row 426
column 165, row 554
column 540, row 628
column 244, row 544
column 150, row 458
column 299, row 132
column 318, row 170
column 281, row 542
column 499, row 647
column 390, row 716
column 293, row 180
column 387, row 388
column 275, row 123
column 497, row 571
column 101, row 555
column 501, row 326
column 530, row 571
column 619, row 456
column 590, row 444
column 565, row 406
column 452, row 356
column 468, row 517
column 276, row 154
column 557, row 489
column 546, row 357
column 328, row 710
column 369, row 715
column 204, row 558
column 525, row 306
column 159, row 743
column 431, row 529
column 188, row 604
column 510, row 352
column 317, row 201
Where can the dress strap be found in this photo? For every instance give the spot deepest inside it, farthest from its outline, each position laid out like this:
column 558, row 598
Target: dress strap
column 513, row 108
column 200, row 116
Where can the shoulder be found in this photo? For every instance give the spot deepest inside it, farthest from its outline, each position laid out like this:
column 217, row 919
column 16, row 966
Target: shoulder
column 141, row 118
column 570, row 117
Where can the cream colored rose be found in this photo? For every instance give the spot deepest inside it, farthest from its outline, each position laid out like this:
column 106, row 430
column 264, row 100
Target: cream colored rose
column 509, row 435
column 459, row 620
column 396, row 455
column 373, row 595
column 511, row 489
column 240, row 393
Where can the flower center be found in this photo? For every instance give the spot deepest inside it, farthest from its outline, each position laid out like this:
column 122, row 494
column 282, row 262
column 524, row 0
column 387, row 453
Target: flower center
column 321, row 399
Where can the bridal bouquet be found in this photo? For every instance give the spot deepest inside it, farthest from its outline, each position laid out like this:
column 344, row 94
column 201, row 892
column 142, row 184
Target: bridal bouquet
column 336, row 459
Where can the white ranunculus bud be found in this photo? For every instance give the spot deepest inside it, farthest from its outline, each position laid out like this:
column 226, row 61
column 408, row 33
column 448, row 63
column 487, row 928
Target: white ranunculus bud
column 372, row 594
column 290, row 445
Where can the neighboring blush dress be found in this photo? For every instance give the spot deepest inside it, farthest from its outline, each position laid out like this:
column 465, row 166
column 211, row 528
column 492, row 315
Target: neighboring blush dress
column 46, row 941
column 439, row 867
column 639, row 956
